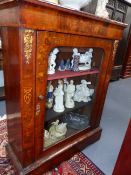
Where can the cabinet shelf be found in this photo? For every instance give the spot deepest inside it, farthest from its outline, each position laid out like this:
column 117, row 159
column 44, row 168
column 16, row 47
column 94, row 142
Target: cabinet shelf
column 68, row 74
column 51, row 114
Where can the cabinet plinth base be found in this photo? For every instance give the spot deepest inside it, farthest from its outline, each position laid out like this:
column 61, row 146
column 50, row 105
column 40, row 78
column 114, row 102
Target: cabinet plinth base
column 40, row 166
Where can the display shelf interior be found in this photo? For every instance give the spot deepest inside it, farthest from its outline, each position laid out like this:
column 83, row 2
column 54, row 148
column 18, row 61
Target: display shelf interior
column 51, row 114
column 70, row 132
column 68, row 74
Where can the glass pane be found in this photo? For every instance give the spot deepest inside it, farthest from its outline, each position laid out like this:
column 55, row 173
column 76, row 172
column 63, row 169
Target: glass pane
column 72, row 79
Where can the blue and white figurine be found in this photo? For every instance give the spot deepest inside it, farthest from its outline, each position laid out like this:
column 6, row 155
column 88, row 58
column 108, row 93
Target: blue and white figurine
column 75, row 60
column 62, row 66
column 68, row 65
column 49, row 102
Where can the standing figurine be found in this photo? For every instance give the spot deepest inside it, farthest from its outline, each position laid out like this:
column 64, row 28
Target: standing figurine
column 58, row 93
column 51, row 61
column 70, row 90
column 50, row 89
column 75, row 60
column 62, row 66
column 101, row 9
column 67, row 65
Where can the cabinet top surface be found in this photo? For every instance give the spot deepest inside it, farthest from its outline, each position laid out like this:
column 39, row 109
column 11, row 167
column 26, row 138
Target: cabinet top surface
column 46, row 4
column 42, row 15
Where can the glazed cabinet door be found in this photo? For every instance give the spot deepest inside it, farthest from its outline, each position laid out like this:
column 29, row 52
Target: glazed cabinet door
column 72, row 75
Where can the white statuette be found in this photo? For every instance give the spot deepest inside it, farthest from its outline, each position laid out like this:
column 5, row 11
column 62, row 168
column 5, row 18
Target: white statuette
column 51, row 61
column 58, row 93
column 75, row 4
column 57, row 130
column 101, row 9
column 70, row 90
column 85, row 60
column 83, row 93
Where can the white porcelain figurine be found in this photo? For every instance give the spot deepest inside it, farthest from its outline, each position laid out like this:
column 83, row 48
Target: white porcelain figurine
column 57, row 130
column 70, row 90
column 101, row 9
column 51, row 61
column 58, row 93
column 75, row 4
column 83, row 93
column 85, row 60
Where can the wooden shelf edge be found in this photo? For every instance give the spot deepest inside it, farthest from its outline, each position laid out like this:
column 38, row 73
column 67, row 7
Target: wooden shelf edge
column 70, row 74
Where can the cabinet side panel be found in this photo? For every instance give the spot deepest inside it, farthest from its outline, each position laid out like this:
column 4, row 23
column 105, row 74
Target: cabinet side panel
column 28, row 44
column 10, row 38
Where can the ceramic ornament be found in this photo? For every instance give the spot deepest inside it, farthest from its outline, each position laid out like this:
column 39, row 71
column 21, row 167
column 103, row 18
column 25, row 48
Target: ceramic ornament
column 83, row 93
column 59, row 98
column 75, row 4
column 75, row 60
column 85, row 60
column 68, row 65
column 62, row 66
column 50, row 89
column 70, row 90
column 101, row 9
column 51, row 61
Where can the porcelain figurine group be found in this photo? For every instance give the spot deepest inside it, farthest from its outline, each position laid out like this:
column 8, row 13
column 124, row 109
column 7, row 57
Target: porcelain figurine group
column 79, row 61
column 66, row 93
column 56, row 132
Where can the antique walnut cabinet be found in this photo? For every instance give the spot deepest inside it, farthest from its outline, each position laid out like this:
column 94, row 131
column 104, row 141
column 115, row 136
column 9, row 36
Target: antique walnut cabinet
column 31, row 29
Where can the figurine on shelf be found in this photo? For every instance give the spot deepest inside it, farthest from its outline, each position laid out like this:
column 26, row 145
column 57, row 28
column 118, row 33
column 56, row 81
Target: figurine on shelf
column 85, row 60
column 58, row 93
column 51, row 61
column 65, row 87
column 101, row 9
column 62, row 66
column 57, row 130
column 75, row 60
column 83, row 93
column 50, row 89
column 70, row 90
column 67, row 65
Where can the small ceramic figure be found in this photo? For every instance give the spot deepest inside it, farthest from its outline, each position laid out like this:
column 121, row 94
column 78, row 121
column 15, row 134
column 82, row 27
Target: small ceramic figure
column 51, row 61
column 75, row 60
column 77, row 4
column 57, row 130
column 67, row 65
column 85, row 60
column 62, row 66
column 83, row 93
column 58, row 93
column 50, row 89
column 70, row 90
column 101, row 9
